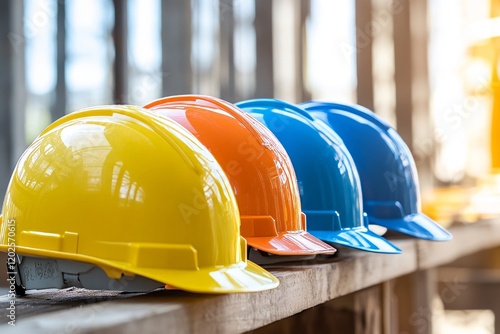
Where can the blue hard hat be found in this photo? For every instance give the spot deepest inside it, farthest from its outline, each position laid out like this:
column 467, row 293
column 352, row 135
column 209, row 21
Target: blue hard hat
column 328, row 182
column 386, row 169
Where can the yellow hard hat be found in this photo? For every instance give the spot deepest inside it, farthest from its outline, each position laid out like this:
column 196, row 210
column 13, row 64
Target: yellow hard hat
column 133, row 194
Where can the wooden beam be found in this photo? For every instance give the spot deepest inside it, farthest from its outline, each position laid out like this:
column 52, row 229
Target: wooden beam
column 59, row 108
column 176, row 47
column 364, row 54
column 413, row 302
column 287, row 57
column 413, row 119
column 368, row 311
column 264, row 76
column 403, row 57
column 305, row 11
column 120, row 64
column 226, row 48
column 13, row 96
column 6, row 59
column 421, row 116
column 12, row 89
column 390, row 311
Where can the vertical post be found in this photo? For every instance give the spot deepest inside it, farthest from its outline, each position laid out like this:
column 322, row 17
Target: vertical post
column 176, row 47
column 18, row 83
column 412, row 80
column 7, row 51
column 389, row 311
column 287, row 66
column 120, row 66
column 364, row 41
column 227, row 71
column 421, row 116
column 12, row 95
column 59, row 107
column 264, row 86
column 368, row 310
column 12, row 88
column 403, row 71
column 305, row 11
column 413, row 304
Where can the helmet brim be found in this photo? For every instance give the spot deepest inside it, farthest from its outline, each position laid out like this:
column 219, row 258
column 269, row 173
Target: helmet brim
column 358, row 238
column 240, row 277
column 417, row 225
column 291, row 243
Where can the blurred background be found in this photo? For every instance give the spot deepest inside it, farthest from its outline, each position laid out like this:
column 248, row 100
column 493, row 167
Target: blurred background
column 428, row 67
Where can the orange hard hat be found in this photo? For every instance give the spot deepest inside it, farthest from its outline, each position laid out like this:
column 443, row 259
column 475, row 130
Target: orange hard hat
column 258, row 168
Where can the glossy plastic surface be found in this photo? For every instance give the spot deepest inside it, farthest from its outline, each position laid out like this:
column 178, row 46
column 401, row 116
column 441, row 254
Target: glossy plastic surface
column 258, row 168
column 386, row 168
column 135, row 194
column 328, row 180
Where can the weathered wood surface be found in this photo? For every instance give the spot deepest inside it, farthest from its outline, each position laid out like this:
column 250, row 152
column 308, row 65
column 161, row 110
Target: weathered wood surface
column 302, row 285
column 467, row 239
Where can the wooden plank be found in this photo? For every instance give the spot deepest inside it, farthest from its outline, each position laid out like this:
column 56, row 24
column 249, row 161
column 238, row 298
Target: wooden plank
column 264, row 70
column 364, row 54
column 120, row 64
column 467, row 239
column 302, row 286
column 176, row 47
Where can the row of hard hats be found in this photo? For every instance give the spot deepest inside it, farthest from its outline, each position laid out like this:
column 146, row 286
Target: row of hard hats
column 129, row 198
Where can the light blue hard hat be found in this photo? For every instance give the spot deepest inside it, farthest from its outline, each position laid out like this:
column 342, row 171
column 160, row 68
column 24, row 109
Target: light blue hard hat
column 386, row 169
column 328, row 182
